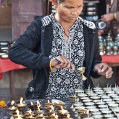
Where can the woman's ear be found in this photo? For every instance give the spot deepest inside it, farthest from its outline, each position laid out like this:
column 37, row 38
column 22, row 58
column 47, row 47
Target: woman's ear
column 54, row 2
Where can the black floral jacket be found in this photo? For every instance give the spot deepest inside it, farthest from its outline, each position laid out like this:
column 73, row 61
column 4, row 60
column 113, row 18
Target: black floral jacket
column 32, row 49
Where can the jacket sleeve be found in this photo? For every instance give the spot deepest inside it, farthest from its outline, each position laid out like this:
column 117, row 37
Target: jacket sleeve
column 97, row 57
column 22, row 51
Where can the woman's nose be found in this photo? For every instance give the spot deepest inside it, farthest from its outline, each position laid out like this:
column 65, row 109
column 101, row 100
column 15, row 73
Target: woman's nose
column 74, row 11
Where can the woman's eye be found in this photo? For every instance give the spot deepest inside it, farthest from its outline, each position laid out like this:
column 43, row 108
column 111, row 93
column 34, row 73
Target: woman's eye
column 79, row 6
column 73, row 7
column 69, row 7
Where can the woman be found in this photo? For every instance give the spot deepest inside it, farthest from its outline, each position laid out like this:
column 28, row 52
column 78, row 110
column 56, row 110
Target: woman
column 54, row 46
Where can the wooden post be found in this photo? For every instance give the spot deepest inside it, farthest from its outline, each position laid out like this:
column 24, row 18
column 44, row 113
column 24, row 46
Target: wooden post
column 12, row 85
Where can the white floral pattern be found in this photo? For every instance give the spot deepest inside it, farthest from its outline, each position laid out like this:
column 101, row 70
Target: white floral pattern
column 62, row 82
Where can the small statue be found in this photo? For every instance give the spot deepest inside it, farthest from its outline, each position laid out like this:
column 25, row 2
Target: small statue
column 117, row 40
column 101, row 45
column 109, row 44
column 109, row 39
column 108, row 49
column 115, row 48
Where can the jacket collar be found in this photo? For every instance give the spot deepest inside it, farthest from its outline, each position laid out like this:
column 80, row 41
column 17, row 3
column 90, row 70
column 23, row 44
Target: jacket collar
column 46, row 20
column 88, row 41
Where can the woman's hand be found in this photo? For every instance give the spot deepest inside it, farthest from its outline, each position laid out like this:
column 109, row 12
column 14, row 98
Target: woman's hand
column 62, row 62
column 103, row 69
column 107, row 17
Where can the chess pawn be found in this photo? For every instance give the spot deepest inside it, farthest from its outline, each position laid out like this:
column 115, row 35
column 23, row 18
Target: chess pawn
column 101, row 48
column 115, row 48
column 101, row 45
column 109, row 39
column 100, row 38
column 108, row 50
column 104, row 43
column 117, row 40
column 104, row 46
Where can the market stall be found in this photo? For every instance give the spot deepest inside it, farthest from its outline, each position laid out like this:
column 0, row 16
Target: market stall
column 96, row 103
column 112, row 60
column 6, row 65
column 90, row 104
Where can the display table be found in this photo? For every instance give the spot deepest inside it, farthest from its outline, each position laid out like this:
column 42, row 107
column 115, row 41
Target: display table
column 112, row 60
column 5, row 112
column 6, row 65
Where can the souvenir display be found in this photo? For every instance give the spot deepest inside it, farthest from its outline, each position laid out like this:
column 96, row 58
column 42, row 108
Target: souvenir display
column 90, row 10
column 109, row 45
column 4, row 47
column 40, row 109
column 96, row 103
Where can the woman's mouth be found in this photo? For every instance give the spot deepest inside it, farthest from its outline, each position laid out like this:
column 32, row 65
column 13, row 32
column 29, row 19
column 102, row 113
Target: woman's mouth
column 73, row 18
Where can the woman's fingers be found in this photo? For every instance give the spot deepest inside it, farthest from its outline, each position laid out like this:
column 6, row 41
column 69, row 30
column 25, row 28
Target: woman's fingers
column 107, row 17
column 109, row 72
column 104, row 69
column 64, row 62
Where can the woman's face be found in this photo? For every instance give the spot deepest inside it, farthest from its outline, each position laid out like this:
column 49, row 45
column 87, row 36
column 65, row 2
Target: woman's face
column 69, row 10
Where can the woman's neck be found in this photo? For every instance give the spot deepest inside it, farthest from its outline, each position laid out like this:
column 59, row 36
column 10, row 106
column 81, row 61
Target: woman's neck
column 66, row 25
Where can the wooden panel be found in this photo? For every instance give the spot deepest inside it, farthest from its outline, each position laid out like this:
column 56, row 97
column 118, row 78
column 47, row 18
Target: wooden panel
column 23, row 12
column 5, row 17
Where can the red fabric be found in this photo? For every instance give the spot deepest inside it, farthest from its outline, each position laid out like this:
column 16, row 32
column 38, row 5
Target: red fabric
column 1, row 76
column 8, row 65
column 114, row 59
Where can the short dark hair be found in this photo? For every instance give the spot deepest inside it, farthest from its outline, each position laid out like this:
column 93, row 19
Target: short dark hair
column 59, row 1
